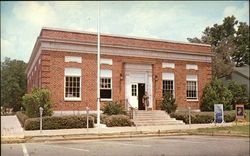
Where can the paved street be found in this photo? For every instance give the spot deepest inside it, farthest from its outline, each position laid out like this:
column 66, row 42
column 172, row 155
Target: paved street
column 157, row 146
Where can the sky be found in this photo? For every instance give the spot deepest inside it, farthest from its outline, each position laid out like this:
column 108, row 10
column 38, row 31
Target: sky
column 21, row 22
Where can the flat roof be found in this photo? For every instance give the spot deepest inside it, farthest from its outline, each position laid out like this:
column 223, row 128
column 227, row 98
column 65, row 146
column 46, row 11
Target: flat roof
column 123, row 36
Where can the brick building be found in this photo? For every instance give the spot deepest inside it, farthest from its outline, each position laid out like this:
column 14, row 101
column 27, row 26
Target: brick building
column 65, row 62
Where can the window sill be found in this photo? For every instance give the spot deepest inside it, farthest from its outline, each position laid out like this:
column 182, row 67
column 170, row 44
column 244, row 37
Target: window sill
column 106, row 100
column 72, row 99
column 192, row 100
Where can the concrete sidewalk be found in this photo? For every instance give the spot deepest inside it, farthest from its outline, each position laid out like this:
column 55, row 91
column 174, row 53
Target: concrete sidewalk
column 13, row 132
column 119, row 130
column 10, row 127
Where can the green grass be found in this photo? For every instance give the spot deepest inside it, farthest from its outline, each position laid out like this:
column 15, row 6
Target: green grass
column 248, row 115
column 229, row 130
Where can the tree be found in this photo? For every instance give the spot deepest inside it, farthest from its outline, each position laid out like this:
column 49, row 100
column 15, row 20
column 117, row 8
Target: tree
column 241, row 53
column 38, row 98
column 216, row 93
column 239, row 92
column 229, row 46
column 13, row 83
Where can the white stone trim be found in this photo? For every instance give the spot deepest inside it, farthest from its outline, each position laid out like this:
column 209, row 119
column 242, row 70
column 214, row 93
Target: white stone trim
column 106, row 73
column 123, row 52
column 76, row 59
column 168, row 65
column 106, row 61
column 167, row 76
column 72, row 72
column 192, row 77
column 192, row 66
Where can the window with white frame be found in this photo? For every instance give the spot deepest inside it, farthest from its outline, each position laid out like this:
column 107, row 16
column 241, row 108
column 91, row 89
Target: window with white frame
column 106, row 84
column 168, row 83
column 72, row 84
column 192, row 87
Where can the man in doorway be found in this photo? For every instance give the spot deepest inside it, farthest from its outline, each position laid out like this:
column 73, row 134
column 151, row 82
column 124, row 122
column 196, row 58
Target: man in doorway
column 145, row 100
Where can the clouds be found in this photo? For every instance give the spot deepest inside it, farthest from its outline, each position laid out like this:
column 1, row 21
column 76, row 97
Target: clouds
column 21, row 22
column 35, row 13
column 242, row 14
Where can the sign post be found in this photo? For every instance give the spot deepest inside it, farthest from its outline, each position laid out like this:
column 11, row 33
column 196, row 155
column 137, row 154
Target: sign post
column 87, row 109
column 41, row 118
column 218, row 113
column 239, row 108
column 189, row 116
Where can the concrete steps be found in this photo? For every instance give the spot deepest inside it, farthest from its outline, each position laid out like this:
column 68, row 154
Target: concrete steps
column 153, row 118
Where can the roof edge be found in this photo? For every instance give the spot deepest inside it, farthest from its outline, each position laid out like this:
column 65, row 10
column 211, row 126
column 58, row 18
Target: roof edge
column 125, row 36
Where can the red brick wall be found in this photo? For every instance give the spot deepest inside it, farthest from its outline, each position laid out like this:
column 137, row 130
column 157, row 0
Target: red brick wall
column 52, row 77
column 117, row 40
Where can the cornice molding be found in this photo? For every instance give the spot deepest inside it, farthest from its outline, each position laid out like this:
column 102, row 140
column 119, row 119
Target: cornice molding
column 115, row 50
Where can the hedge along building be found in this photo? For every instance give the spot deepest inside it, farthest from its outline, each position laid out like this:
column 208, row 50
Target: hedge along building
column 65, row 62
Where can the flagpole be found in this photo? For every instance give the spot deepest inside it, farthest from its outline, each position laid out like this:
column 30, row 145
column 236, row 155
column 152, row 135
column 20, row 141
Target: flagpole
column 98, row 68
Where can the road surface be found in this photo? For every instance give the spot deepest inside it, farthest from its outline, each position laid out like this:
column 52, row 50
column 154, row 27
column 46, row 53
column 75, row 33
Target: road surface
column 156, row 146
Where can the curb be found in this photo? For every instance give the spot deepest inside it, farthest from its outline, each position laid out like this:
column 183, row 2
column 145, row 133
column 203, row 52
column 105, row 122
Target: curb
column 106, row 136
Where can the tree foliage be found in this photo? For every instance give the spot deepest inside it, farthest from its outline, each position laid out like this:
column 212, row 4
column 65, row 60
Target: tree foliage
column 216, row 93
column 239, row 92
column 13, row 83
column 168, row 103
column 229, row 46
column 113, row 108
column 38, row 98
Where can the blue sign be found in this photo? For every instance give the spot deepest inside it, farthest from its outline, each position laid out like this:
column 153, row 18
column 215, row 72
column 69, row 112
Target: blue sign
column 218, row 113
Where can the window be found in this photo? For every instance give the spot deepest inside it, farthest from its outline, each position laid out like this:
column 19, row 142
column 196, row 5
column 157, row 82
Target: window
column 72, row 87
column 192, row 93
column 168, row 65
column 72, row 84
column 168, row 86
column 168, row 83
column 134, row 90
column 106, row 84
column 192, row 66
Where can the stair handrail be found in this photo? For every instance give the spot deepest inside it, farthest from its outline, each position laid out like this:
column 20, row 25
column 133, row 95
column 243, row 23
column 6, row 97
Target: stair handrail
column 130, row 109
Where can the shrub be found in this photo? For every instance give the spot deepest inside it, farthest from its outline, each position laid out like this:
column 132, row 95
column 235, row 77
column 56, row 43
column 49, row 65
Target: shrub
column 216, row 93
column 103, row 118
column 168, row 103
column 59, row 122
column 21, row 117
column 113, row 108
column 202, row 117
column 239, row 92
column 118, row 120
column 38, row 98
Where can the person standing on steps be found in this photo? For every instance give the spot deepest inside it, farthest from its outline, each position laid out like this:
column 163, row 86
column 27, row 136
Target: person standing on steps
column 145, row 100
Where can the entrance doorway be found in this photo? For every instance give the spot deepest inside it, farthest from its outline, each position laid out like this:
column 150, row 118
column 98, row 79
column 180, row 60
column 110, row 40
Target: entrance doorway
column 141, row 92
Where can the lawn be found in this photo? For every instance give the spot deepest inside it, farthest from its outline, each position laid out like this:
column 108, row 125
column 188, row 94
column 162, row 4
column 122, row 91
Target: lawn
column 229, row 130
column 248, row 114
